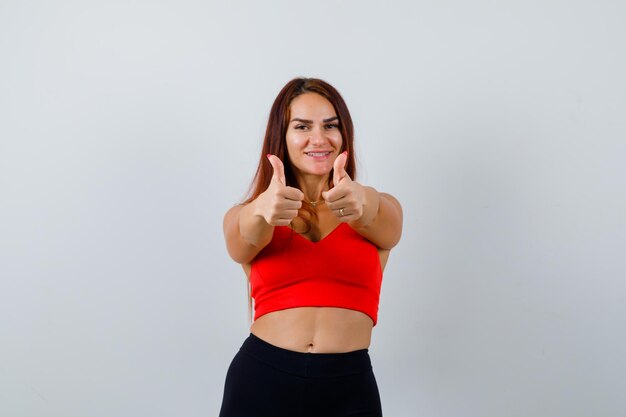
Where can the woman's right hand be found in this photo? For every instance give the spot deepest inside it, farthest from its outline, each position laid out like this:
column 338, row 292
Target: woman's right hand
column 279, row 204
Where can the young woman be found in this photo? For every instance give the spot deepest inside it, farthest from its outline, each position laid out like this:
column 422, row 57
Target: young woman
column 313, row 243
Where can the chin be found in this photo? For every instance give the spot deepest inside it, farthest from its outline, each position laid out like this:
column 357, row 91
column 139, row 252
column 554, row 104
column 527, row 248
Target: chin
column 319, row 171
column 313, row 170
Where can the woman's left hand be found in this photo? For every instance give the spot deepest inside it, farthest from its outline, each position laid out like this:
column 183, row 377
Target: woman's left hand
column 347, row 198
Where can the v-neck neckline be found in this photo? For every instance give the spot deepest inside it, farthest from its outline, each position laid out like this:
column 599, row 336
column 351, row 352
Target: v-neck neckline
column 322, row 239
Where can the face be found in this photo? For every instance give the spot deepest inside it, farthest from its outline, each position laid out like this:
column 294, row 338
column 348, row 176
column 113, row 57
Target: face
column 313, row 136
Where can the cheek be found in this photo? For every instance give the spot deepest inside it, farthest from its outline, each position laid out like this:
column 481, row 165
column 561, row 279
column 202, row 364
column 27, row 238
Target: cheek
column 337, row 140
column 294, row 143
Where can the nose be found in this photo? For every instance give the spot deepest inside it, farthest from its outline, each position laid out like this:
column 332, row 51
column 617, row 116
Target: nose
column 317, row 136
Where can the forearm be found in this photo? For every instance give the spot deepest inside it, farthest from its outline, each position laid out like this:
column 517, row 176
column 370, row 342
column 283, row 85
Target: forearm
column 253, row 228
column 381, row 221
column 245, row 232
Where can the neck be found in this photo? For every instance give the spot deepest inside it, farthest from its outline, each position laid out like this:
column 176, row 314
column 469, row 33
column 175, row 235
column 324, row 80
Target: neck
column 312, row 187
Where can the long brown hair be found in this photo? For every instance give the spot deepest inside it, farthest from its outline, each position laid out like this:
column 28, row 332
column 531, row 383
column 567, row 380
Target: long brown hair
column 274, row 142
column 276, row 131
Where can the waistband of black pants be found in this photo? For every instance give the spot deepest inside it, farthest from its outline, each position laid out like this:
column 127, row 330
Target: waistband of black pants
column 315, row 365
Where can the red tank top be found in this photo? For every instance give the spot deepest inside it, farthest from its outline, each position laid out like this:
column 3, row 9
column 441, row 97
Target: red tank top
column 341, row 270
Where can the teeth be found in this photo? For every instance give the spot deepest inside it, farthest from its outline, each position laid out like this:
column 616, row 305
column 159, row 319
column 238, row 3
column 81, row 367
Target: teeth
column 317, row 153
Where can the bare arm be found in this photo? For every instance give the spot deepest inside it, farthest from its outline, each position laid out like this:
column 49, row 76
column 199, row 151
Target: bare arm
column 249, row 228
column 376, row 216
column 245, row 232
column 381, row 222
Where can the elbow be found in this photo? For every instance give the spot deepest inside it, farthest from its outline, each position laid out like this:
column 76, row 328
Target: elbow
column 237, row 257
column 242, row 252
column 390, row 242
column 394, row 221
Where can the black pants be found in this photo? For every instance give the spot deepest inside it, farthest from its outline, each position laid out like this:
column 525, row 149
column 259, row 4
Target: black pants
column 264, row 380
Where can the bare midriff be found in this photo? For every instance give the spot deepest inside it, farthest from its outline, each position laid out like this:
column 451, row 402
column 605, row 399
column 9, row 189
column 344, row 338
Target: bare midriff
column 315, row 329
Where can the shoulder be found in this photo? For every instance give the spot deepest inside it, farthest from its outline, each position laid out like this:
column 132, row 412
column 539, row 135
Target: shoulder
column 232, row 212
column 391, row 207
column 391, row 199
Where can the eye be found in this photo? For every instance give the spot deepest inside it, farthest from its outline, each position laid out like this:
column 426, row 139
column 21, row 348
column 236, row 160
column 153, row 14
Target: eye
column 332, row 126
column 300, row 127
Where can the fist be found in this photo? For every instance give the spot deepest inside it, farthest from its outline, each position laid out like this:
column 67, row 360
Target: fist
column 347, row 198
column 279, row 204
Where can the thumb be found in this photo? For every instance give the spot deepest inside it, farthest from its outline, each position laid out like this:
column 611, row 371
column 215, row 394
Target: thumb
column 279, row 168
column 339, row 168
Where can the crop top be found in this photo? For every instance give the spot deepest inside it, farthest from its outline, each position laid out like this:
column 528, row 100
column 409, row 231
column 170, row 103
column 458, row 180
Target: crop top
column 341, row 270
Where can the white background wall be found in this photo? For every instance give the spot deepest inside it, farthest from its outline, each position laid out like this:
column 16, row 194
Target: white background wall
column 127, row 129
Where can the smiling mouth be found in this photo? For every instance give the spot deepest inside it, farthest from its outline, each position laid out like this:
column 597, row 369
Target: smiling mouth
column 318, row 154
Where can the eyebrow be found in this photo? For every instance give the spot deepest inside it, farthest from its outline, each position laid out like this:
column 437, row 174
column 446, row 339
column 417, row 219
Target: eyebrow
column 330, row 119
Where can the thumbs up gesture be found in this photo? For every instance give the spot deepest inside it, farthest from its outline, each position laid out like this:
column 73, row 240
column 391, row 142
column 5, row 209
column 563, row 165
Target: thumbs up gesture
column 347, row 198
column 279, row 204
